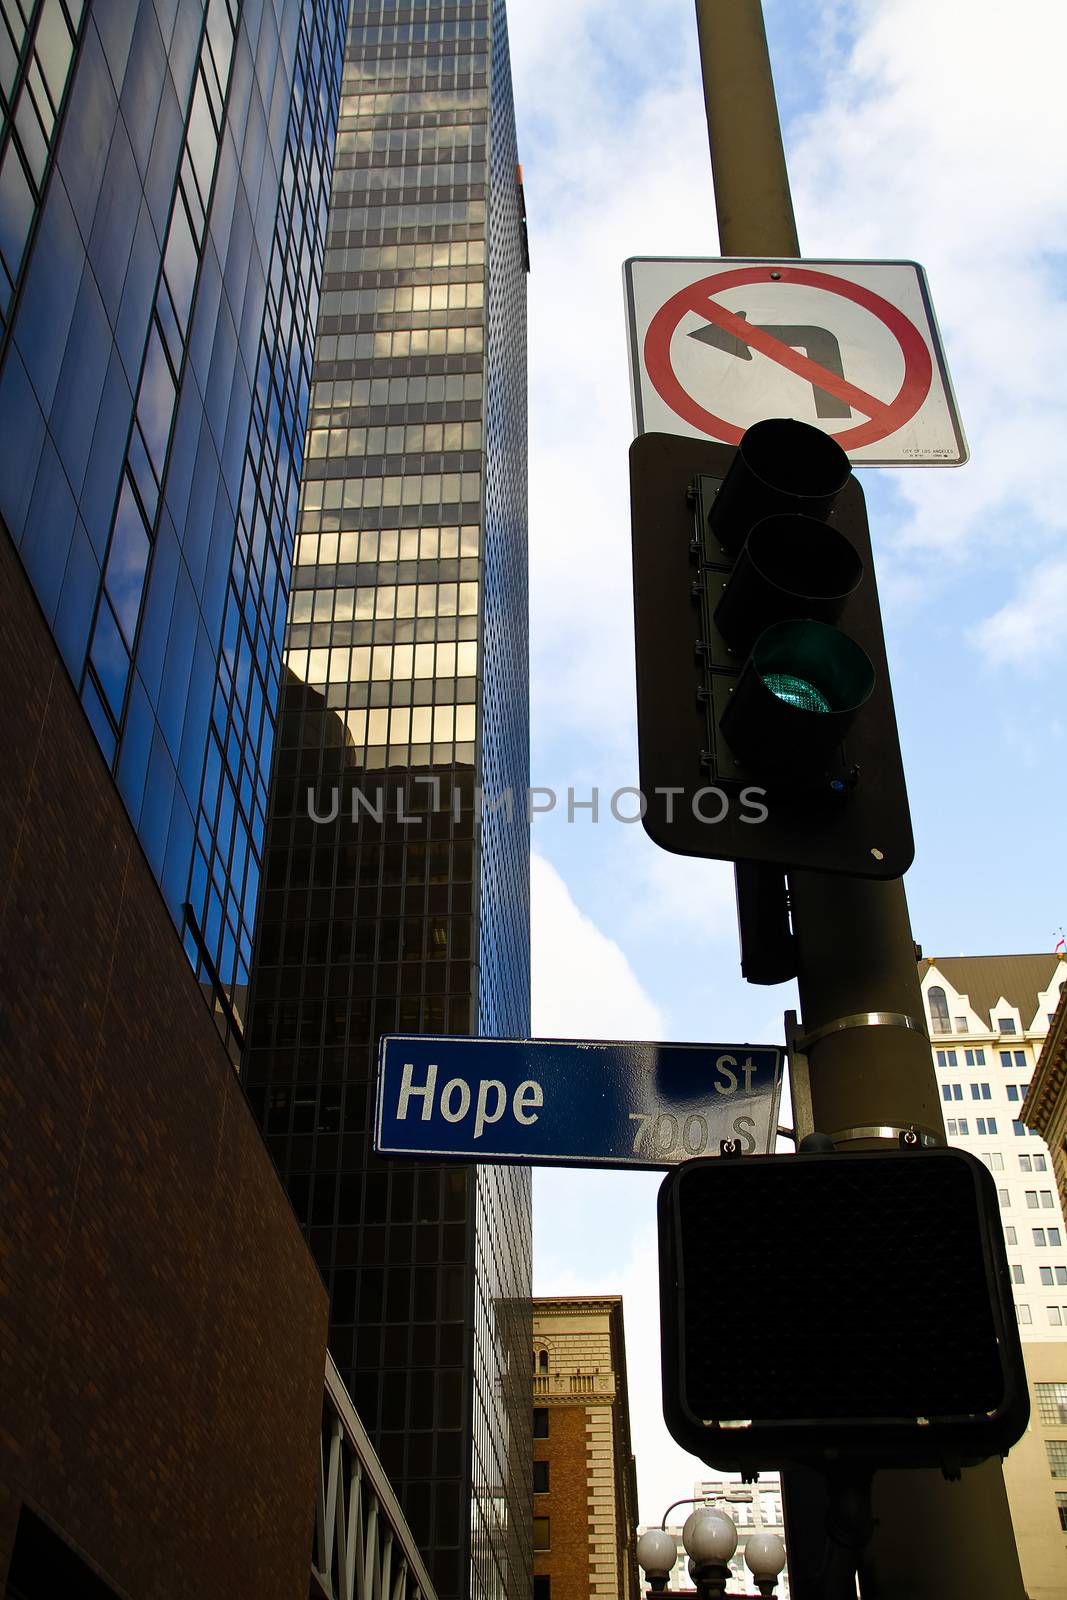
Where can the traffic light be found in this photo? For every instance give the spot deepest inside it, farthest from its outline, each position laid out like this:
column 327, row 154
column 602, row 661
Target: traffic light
column 869, row 1311
column 765, row 717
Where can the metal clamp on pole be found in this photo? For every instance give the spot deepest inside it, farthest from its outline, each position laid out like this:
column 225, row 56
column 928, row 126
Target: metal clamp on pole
column 860, row 1019
column 908, row 1137
column 799, row 1046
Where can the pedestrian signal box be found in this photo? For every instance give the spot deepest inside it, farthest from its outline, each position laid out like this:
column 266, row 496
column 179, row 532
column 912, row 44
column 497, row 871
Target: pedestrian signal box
column 871, row 1318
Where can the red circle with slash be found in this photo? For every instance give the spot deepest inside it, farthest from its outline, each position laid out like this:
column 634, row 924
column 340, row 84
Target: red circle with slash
column 884, row 417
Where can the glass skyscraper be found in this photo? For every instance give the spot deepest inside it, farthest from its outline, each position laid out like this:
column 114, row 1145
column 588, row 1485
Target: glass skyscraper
column 164, row 178
column 393, row 900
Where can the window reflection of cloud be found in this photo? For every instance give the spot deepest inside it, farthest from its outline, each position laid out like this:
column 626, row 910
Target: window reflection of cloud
column 155, row 401
column 127, row 562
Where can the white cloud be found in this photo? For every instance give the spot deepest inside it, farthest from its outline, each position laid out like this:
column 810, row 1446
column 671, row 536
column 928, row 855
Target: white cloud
column 680, row 897
column 1030, row 628
column 938, row 138
column 616, row 165
column 937, row 134
column 583, row 985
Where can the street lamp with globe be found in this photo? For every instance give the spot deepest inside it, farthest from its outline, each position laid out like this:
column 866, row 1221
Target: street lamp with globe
column 710, row 1539
column 764, row 1558
column 656, row 1554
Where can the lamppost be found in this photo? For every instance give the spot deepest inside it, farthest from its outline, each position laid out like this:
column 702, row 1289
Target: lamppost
column 710, row 1539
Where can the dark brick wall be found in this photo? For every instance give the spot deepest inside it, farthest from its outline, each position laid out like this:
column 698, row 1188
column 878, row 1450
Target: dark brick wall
column 162, row 1325
column 566, row 1504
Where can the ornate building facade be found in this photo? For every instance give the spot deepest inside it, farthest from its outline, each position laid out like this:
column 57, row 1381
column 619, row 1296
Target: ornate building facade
column 585, row 1483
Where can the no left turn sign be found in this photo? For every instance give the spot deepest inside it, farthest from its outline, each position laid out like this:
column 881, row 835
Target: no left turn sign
column 850, row 346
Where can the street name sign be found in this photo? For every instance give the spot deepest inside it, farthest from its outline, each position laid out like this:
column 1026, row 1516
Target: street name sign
column 573, row 1102
column 851, row 347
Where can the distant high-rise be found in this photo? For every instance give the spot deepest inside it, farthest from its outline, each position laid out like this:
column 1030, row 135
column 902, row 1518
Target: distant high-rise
column 407, row 674
column 164, row 172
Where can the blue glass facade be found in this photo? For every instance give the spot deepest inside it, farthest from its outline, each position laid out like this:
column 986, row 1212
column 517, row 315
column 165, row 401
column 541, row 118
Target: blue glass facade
column 164, row 178
column 406, row 907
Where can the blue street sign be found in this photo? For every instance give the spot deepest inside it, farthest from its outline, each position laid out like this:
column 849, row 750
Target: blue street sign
column 573, row 1102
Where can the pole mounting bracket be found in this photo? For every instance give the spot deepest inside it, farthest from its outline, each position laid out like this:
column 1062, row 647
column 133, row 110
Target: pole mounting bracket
column 911, row 1136
column 859, row 1019
column 800, row 1044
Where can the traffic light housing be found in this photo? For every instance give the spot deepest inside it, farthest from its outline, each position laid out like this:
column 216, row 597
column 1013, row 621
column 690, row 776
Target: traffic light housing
column 765, row 717
column 867, row 1311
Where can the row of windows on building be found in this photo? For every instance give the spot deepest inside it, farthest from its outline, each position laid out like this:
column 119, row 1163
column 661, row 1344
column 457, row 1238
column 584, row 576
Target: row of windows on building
column 429, row 438
column 954, row 1091
column 406, row 257
column 430, row 296
column 371, row 181
column 434, row 389
column 407, row 68
column 349, row 223
column 403, row 660
column 332, row 498
column 986, row 1126
column 400, row 343
column 1056, row 1317
column 942, row 1022
column 1043, row 1238
column 415, row 10
column 976, row 1058
column 1036, row 1199
column 388, row 601
column 412, row 142
column 437, row 489
column 360, row 108
column 994, row 1160
column 1050, row 1276
column 418, row 32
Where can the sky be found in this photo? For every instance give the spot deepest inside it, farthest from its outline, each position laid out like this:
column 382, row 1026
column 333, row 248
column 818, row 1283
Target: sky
column 926, row 130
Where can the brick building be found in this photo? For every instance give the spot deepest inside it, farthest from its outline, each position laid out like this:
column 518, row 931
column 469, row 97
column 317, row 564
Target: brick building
column 162, row 1324
column 585, row 1482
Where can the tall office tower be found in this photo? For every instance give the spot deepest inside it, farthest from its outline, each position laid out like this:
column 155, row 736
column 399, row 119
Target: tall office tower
column 164, row 174
column 990, row 1018
column 406, row 692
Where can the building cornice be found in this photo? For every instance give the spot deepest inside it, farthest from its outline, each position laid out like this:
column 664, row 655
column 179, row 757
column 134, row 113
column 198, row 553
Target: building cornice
column 563, row 1305
column 1050, row 1073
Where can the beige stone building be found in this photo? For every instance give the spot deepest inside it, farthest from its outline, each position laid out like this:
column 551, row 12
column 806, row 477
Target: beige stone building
column 994, row 1022
column 585, row 1483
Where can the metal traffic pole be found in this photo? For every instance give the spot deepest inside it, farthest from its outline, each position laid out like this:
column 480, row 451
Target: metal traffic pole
column 862, row 1056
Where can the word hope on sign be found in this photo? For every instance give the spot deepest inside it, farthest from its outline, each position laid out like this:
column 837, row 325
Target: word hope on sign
column 580, row 1102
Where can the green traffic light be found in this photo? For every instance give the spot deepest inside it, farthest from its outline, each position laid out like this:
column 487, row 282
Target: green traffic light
column 813, row 667
column 796, row 692
column 796, row 696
